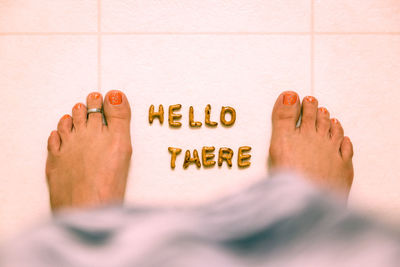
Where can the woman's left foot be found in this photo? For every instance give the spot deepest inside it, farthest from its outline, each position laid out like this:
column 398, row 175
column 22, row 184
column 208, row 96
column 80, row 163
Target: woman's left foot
column 88, row 161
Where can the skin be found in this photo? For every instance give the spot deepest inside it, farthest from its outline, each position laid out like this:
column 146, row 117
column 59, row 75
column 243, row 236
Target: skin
column 88, row 162
column 317, row 149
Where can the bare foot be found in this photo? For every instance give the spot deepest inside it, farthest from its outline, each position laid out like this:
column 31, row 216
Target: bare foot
column 317, row 149
column 87, row 161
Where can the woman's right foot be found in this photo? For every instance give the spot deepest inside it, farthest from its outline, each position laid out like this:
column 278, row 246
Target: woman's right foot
column 318, row 148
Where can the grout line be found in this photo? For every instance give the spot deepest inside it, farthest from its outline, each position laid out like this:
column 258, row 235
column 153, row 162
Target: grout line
column 99, row 45
column 205, row 33
column 196, row 33
column 357, row 33
column 99, row 63
column 47, row 33
column 312, row 87
column 98, row 16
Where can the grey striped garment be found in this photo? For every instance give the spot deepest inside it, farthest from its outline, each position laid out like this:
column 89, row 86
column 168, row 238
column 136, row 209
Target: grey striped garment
column 279, row 221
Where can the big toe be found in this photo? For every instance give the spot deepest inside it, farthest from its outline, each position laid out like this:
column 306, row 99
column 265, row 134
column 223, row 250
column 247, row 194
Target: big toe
column 286, row 111
column 117, row 111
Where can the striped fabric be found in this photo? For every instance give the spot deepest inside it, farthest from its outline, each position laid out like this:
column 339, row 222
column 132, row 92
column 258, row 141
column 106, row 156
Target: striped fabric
column 280, row 221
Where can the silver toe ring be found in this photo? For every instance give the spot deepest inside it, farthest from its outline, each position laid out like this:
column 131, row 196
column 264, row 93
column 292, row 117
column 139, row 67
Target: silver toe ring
column 93, row 110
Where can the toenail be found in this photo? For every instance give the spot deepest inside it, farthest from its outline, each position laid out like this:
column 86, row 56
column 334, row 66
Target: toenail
column 289, row 98
column 334, row 121
column 94, row 95
column 115, row 98
column 65, row 117
column 310, row 99
column 78, row 106
column 323, row 110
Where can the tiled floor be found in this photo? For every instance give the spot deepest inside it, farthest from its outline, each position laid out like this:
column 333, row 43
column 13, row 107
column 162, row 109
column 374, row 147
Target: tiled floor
column 239, row 53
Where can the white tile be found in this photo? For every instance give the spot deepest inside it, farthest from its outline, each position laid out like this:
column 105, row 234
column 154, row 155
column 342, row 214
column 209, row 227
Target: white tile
column 357, row 15
column 41, row 78
column 245, row 72
column 48, row 16
column 206, row 16
column 357, row 77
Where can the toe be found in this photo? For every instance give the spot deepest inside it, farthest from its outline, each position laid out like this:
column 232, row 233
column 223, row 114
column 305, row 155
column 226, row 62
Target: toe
column 79, row 116
column 117, row 111
column 94, row 101
column 54, row 142
column 337, row 132
column 309, row 113
column 64, row 127
column 323, row 122
column 286, row 111
column 346, row 149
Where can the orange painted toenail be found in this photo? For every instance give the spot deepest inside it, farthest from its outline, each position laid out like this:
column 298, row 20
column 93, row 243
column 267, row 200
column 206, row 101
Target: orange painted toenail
column 289, row 98
column 78, row 106
column 323, row 110
column 334, row 121
column 310, row 99
column 94, row 95
column 65, row 117
column 115, row 98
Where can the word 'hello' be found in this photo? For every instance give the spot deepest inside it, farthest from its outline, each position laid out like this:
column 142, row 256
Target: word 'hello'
column 172, row 116
column 207, row 153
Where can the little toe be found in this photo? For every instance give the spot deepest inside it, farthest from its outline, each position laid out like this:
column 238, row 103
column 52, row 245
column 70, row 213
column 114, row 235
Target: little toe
column 323, row 122
column 79, row 116
column 64, row 127
column 117, row 111
column 346, row 149
column 94, row 101
column 54, row 142
column 309, row 113
column 286, row 111
column 337, row 132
